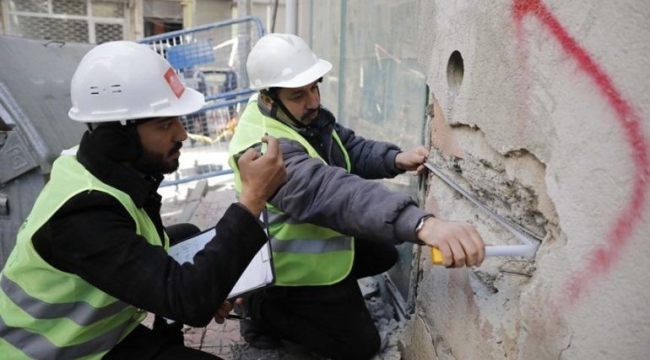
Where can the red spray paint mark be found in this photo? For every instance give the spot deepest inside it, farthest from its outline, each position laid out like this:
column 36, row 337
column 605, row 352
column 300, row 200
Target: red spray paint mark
column 605, row 255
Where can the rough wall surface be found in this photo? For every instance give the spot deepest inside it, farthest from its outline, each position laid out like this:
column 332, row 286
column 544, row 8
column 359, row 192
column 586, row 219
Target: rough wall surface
column 547, row 122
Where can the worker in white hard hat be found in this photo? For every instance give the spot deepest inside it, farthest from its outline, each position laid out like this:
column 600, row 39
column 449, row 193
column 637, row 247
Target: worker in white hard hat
column 91, row 259
column 330, row 224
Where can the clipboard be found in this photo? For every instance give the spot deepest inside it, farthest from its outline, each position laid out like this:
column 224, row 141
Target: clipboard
column 258, row 275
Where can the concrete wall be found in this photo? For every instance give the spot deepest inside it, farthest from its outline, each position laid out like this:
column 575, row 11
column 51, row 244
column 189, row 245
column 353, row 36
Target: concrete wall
column 549, row 126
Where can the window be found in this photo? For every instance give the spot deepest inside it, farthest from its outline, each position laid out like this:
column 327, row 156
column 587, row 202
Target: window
column 87, row 21
column 376, row 88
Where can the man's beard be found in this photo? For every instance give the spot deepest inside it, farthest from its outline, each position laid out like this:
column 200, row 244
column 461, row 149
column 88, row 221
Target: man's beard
column 154, row 163
column 306, row 118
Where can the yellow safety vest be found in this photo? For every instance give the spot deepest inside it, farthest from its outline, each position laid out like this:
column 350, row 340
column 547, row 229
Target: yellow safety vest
column 46, row 313
column 303, row 254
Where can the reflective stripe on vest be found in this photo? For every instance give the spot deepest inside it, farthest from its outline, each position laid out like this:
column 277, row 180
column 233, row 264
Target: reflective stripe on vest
column 305, row 245
column 303, row 253
column 38, row 346
column 48, row 313
column 340, row 243
column 81, row 313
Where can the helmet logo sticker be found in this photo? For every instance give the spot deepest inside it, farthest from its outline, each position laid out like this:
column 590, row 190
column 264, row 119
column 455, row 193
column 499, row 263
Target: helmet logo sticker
column 174, row 82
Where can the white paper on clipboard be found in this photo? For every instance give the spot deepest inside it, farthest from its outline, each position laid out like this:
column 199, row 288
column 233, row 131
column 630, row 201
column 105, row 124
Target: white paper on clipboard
column 258, row 274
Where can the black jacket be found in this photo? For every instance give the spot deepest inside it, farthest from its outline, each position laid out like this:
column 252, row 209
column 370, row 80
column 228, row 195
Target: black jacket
column 94, row 237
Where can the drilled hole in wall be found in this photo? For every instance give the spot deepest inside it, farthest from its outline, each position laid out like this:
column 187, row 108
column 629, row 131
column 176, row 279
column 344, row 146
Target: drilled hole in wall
column 455, row 71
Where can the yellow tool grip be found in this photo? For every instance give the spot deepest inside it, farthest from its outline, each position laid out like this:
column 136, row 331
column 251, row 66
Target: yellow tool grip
column 436, row 257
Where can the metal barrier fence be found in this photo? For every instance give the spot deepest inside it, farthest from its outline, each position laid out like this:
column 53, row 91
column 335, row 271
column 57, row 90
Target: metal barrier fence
column 212, row 60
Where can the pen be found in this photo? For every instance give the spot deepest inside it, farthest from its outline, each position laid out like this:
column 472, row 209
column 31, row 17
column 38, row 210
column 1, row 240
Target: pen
column 237, row 317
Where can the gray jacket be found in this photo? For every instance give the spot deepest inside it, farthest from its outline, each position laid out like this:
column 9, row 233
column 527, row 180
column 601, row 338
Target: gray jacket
column 350, row 203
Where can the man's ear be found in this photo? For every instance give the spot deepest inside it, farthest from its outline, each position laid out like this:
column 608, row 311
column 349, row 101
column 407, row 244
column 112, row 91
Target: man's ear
column 266, row 100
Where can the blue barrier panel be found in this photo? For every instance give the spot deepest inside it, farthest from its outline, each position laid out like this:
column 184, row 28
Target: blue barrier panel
column 188, row 55
column 211, row 59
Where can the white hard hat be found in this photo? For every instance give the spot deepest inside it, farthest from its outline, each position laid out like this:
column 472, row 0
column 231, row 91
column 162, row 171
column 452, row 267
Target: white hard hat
column 283, row 60
column 123, row 80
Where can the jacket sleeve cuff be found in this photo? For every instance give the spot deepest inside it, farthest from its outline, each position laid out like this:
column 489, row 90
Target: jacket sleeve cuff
column 245, row 209
column 406, row 222
column 392, row 154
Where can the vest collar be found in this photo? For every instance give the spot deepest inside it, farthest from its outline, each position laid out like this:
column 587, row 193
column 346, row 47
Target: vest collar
column 325, row 119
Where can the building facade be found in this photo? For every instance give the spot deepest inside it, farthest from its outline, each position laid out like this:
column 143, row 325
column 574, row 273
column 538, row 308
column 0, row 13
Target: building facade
column 539, row 109
column 98, row 21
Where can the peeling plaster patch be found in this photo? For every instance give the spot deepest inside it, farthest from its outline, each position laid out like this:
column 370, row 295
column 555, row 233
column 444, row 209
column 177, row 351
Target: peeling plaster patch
column 530, row 172
column 524, row 268
column 505, row 196
column 486, row 279
column 442, row 134
column 513, row 185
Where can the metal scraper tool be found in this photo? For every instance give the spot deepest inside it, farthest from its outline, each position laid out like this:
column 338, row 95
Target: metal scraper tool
column 531, row 241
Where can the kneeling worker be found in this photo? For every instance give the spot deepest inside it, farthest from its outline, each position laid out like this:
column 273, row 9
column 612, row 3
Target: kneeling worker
column 330, row 223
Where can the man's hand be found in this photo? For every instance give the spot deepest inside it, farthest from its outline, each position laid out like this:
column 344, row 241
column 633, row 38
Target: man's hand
column 261, row 175
column 224, row 310
column 412, row 160
column 460, row 243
